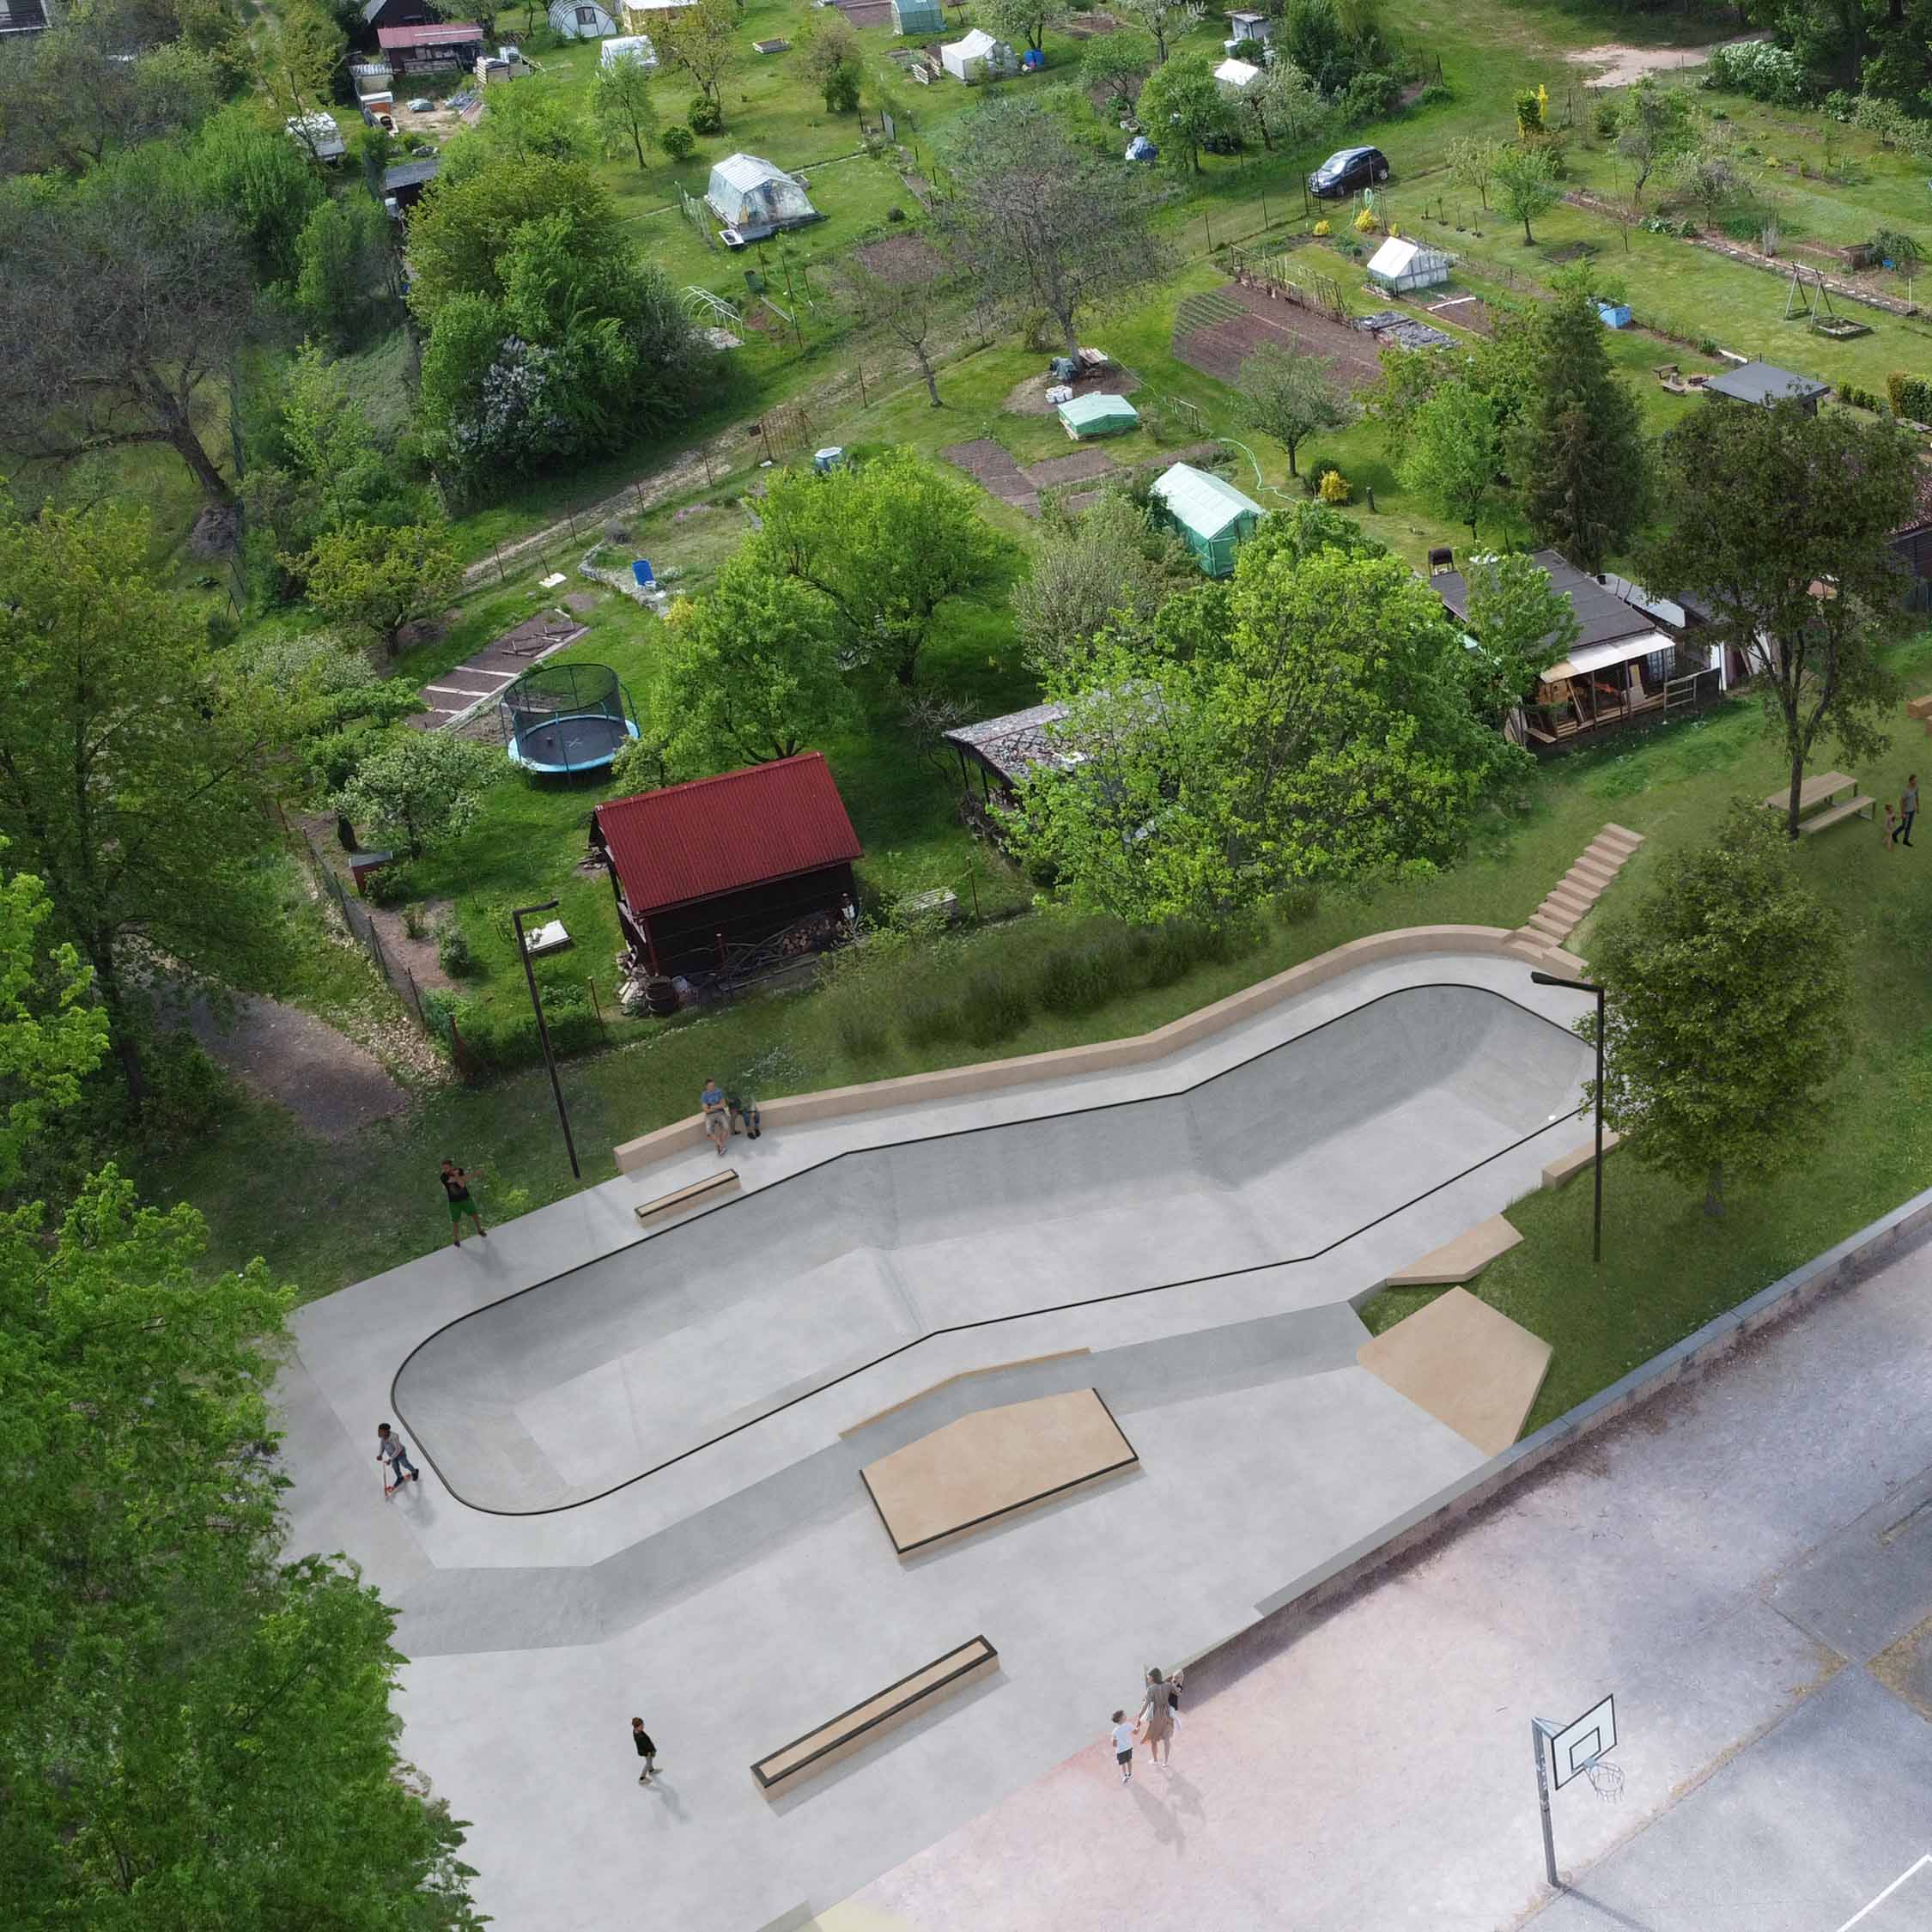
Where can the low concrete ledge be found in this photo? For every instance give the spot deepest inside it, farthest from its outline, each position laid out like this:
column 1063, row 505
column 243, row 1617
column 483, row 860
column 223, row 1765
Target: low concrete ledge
column 812, row 1752
column 710, row 1189
column 952, row 1083
column 1567, row 1167
column 1460, row 1259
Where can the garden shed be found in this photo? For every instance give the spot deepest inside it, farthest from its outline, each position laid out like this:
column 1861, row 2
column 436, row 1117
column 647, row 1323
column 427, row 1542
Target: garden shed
column 730, row 874
column 1236, row 77
column 918, row 16
column 1764, row 383
column 1211, row 516
column 1084, row 417
column 1400, row 264
column 754, row 198
column 977, row 57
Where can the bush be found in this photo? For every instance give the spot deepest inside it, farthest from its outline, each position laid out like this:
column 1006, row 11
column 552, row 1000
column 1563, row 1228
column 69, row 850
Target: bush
column 706, row 116
column 454, row 953
column 1368, row 97
column 1323, row 230
column 1334, row 488
column 841, row 90
column 416, row 921
column 928, row 1011
column 1911, row 396
column 500, row 1038
column 1435, row 94
column 1315, row 475
column 1761, row 69
column 679, row 142
column 1366, row 222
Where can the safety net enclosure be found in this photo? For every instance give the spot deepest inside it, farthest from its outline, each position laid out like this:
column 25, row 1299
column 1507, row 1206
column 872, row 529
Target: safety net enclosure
column 561, row 717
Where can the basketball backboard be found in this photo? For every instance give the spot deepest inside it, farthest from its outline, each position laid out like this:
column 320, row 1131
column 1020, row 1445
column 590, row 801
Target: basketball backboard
column 1578, row 1745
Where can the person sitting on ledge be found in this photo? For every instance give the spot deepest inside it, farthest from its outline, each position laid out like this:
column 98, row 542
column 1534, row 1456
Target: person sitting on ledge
column 743, row 1112
column 717, row 1117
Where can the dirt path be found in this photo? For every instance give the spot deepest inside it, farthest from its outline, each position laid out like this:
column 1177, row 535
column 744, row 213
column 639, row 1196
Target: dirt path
column 1624, row 66
column 331, row 1084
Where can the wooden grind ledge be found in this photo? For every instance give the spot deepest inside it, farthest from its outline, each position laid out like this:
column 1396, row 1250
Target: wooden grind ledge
column 713, row 1185
column 1567, row 1167
column 1460, row 1259
column 1464, row 1362
column 878, row 1714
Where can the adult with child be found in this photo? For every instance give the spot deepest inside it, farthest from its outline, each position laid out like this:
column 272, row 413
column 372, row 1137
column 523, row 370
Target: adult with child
column 1156, row 1716
column 1908, row 809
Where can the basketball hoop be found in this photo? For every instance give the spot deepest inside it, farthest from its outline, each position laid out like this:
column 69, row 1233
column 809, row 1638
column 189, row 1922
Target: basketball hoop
column 1606, row 1779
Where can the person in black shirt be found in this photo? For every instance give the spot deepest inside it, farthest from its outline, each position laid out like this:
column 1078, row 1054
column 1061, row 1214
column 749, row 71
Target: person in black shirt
column 456, row 1185
column 646, row 1749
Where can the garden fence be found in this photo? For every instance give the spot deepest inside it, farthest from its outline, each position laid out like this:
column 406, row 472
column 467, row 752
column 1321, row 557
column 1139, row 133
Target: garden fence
column 362, row 929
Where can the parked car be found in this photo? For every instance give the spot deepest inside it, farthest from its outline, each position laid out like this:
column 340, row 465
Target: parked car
column 1346, row 170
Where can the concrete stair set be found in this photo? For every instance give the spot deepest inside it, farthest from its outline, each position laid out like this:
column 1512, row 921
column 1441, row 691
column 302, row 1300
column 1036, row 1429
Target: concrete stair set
column 1575, row 895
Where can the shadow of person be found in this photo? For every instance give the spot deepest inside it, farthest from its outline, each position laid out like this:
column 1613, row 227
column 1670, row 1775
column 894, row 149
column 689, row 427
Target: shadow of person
column 664, row 1788
column 1154, row 1811
column 1184, row 1793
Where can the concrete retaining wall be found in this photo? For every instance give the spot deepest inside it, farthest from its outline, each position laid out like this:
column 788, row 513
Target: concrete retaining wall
column 952, row 1083
column 1442, row 1512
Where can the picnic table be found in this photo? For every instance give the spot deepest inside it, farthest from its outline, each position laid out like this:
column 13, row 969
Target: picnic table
column 1819, row 790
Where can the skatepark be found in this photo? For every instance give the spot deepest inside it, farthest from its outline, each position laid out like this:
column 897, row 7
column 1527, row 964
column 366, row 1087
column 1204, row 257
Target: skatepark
column 873, row 1477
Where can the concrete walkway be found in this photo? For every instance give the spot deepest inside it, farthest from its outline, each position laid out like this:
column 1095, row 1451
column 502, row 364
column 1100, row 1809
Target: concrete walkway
column 746, row 1591
column 1746, row 1563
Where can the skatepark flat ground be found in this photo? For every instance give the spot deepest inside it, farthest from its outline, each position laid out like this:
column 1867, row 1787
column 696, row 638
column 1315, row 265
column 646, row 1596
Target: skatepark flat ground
column 1745, row 1562
column 658, row 1437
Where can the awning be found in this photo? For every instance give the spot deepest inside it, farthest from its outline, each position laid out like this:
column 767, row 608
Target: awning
column 1594, row 657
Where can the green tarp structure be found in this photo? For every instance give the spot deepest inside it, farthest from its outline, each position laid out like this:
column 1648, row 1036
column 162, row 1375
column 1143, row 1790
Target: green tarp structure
column 1211, row 516
column 1098, row 415
column 917, row 16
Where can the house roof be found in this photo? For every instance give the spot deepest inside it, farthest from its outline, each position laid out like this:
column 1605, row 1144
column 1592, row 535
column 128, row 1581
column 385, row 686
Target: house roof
column 746, row 172
column 1604, row 615
column 721, row 835
column 1237, row 74
column 1015, row 744
column 409, row 174
column 430, row 33
column 1763, row 382
column 1207, row 505
column 1398, row 255
column 1098, row 409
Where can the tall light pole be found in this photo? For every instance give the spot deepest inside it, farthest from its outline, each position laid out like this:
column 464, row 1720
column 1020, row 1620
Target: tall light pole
column 1590, row 986
column 516, row 919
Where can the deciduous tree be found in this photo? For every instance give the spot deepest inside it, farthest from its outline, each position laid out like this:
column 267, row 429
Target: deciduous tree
column 1471, row 164
column 1107, row 563
column 905, row 309
column 621, row 106
column 832, row 62
column 1328, row 737
column 886, row 542
column 1776, row 522
column 1725, row 1019
column 1456, row 451
column 1525, row 180
column 751, row 669
column 417, row 789
column 1290, row 397
column 1020, row 23
column 701, row 40
column 1655, row 124
column 1121, row 64
column 130, row 786
column 156, row 297
column 375, row 578
column 1183, row 105
column 1044, row 223
column 1578, row 453
column 1164, row 21
column 1523, row 624
column 1284, row 105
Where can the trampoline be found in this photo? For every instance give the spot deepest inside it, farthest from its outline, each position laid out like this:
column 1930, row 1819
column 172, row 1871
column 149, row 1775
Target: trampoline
column 564, row 718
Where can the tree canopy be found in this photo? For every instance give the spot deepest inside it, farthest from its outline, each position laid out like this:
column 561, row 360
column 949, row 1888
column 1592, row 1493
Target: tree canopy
column 1042, row 222
column 1290, row 397
column 417, row 789
column 1776, row 522
column 1725, row 1017
column 1182, row 103
column 886, row 544
column 1308, row 724
column 1523, row 624
column 133, row 783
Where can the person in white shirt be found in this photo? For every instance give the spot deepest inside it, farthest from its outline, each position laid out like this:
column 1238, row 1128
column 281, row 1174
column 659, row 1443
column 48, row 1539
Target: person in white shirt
column 1123, row 1745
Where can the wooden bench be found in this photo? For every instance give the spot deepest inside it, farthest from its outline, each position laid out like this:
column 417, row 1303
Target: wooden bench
column 916, row 1692
column 1921, row 708
column 713, row 1187
column 1821, row 791
column 1852, row 806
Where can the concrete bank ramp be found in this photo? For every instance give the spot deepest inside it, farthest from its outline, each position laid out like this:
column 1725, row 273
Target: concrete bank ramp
column 589, row 1381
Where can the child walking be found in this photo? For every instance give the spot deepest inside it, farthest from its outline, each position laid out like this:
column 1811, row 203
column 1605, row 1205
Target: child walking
column 1123, row 1745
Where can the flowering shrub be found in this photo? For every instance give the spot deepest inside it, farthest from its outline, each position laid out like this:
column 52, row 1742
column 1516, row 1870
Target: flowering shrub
column 1334, row 488
column 1759, row 69
column 1322, row 229
column 1366, row 222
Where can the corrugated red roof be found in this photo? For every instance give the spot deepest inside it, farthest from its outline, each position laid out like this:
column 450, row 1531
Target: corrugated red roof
column 723, row 834
column 433, row 34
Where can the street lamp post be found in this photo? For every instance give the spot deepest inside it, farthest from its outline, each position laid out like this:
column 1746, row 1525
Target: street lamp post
column 1589, row 986
column 516, row 919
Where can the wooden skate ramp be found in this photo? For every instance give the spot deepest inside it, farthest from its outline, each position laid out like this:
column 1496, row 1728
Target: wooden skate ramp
column 1464, row 1362
column 992, row 1463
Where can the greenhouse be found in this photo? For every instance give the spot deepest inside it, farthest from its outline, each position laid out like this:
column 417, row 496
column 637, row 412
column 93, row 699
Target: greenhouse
column 1400, row 264
column 1211, row 516
column 1083, row 417
column 755, row 199
column 918, row 16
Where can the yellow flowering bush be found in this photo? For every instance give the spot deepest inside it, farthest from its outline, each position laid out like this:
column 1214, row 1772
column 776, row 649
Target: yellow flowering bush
column 1366, row 222
column 1334, row 488
column 1323, row 230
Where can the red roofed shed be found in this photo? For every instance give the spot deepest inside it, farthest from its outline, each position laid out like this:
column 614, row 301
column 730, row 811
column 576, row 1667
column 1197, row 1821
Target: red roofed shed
column 709, row 872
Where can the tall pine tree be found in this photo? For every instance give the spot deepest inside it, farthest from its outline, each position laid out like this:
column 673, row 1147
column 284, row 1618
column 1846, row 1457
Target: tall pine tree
column 1578, row 453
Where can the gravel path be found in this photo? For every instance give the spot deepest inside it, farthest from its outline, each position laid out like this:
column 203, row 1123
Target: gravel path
column 331, row 1084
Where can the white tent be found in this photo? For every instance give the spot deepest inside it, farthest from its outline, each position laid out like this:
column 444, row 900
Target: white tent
column 629, row 46
column 976, row 57
column 754, row 198
column 1400, row 264
column 1236, row 77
